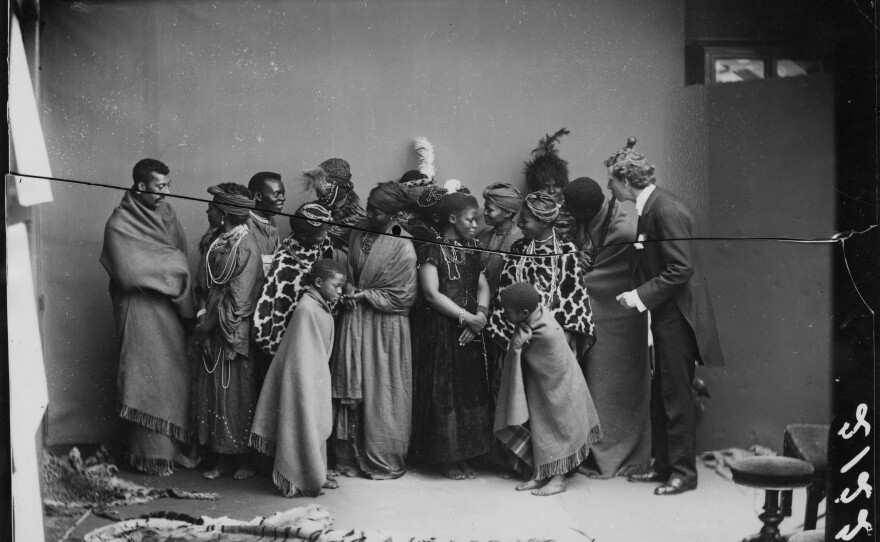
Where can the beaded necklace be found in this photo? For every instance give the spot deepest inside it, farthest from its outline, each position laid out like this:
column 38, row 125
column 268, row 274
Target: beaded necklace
column 520, row 265
column 453, row 257
column 233, row 237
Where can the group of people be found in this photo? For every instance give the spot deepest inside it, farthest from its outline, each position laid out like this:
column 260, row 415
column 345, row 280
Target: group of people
column 374, row 339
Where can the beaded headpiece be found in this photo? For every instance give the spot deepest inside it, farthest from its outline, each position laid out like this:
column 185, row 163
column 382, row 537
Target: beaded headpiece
column 315, row 214
column 430, row 196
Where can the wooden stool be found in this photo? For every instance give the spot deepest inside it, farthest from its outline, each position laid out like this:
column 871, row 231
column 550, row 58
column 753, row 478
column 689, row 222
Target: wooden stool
column 810, row 443
column 772, row 474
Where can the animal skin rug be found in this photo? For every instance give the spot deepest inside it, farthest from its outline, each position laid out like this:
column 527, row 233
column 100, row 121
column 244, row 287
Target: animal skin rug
column 71, row 486
column 311, row 523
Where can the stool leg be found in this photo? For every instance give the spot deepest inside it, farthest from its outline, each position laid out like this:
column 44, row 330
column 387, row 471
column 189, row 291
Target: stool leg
column 771, row 519
column 815, row 494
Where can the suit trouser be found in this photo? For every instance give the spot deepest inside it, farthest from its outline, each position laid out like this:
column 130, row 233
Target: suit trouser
column 673, row 414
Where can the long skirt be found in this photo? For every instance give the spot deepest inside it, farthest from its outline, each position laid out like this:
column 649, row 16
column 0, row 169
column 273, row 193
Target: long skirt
column 452, row 405
column 226, row 403
column 618, row 373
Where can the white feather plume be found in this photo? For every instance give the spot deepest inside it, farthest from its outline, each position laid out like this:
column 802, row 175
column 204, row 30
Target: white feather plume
column 426, row 157
column 452, row 185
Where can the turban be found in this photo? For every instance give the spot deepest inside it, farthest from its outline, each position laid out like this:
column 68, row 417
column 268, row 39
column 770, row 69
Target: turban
column 415, row 177
column 504, row 196
column 390, row 197
column 231, row 204
column 583, row 196
column 336, row 173
column 543, row 206
column 520, row 296
column 315, row 214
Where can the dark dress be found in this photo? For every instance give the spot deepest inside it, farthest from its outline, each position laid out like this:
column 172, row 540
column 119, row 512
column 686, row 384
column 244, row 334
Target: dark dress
column 452, row 415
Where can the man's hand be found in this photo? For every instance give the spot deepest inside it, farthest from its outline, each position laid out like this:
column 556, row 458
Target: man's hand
column 628, row 299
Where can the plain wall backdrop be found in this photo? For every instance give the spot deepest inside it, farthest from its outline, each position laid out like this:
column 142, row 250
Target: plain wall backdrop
column 220, row 90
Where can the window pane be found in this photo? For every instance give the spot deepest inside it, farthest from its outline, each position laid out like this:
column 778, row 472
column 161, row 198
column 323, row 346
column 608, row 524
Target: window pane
column 786, row 67
column 730, row 70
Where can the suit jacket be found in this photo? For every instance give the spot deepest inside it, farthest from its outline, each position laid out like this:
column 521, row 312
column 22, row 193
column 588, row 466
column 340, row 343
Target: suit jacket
column 666, row 271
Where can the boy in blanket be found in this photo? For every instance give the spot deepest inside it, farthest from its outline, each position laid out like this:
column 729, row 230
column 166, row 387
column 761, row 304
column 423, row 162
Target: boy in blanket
column 294, row 415
column 544, row 418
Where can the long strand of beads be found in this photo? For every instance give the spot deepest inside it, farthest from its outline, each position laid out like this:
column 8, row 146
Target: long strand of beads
column 225, row 275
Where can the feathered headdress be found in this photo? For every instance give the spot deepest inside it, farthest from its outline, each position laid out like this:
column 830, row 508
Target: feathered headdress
column 547, row 166
column 426, row 157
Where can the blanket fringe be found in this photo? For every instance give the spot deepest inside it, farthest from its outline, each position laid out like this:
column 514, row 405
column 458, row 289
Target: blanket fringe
column 286, row 486
column 153, row 423
column 262, row 444
column 560, row 466
column 151, row 465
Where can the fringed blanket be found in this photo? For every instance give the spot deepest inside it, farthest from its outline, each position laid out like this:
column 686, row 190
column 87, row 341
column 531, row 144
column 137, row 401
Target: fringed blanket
column 294, row 415
column 72, row 485
column 145, row 255
column 311, row 523
column 545, row 416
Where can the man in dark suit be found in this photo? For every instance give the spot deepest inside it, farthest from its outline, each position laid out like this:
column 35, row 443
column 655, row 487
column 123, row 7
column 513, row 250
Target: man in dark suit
column 682, row 322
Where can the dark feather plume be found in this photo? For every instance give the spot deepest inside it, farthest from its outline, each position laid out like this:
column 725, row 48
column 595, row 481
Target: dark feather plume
column 547, row 144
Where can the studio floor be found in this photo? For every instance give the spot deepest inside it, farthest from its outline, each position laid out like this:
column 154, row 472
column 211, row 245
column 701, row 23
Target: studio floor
column 487, row 508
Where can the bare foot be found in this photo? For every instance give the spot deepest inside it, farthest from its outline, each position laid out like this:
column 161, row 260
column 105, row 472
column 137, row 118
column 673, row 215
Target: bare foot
column 330, row 484
column 168, row 472
column 554, row 486
column 586, row 471
column 529, row 484
column 466, row 469
column 186, row 462
column 224, row 466
column 349, row 472
column 332, row 473
column 452, row 471
column 504, row 475
column 243, row 472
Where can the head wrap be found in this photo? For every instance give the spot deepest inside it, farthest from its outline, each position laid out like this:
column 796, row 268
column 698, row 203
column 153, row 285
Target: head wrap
column 231, row 204
column 583, row 196
column 520, row 296
column 543, row 206
column 504, row 196
column 315, row 214
column 336, row 175
column 390, row 197
column 415, row 177
column 338, row 172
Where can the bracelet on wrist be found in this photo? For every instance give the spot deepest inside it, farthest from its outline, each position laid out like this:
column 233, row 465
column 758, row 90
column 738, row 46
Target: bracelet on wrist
column 201, row 313
column 461, row 314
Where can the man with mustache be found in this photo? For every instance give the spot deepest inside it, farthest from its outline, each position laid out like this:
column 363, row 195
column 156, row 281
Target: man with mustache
column 145, row 255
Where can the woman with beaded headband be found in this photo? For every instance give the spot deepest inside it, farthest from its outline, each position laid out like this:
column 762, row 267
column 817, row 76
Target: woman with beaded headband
column 452, row 415
column 372, row 364
column 307, row 243
column 617, row 368
column 555, row 274
column 226, row 384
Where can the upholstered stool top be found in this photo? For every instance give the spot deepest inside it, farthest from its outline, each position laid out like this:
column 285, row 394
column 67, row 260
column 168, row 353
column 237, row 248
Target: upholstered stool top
column 811, row 443
column 766, row 472
column 808, row 536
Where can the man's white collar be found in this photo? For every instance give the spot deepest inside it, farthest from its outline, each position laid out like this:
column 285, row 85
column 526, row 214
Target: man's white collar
column 642, row 198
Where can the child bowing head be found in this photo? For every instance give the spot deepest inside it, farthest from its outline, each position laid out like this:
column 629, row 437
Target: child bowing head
column 519, row 301
column 326, row 278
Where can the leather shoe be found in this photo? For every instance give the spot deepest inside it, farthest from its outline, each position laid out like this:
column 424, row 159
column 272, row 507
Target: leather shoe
column 675, row 486
column 649, row 476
